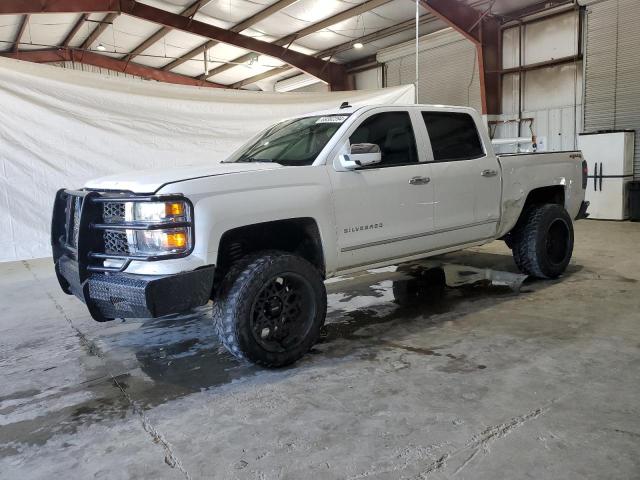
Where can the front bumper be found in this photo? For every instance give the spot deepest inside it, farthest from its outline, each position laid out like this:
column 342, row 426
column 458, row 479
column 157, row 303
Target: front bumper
column 122, row 295
column 109, row 292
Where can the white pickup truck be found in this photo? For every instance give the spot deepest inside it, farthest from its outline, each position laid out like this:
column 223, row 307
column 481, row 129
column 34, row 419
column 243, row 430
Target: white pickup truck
column 309, row 198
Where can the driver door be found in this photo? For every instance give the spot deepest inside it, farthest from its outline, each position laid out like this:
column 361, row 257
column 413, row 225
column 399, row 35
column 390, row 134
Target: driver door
column 383, row 211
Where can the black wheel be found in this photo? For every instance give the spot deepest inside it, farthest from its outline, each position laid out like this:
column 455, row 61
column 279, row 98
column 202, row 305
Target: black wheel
column 543, row 241
column 269, row 308
column 508, row 240
column 425, row 285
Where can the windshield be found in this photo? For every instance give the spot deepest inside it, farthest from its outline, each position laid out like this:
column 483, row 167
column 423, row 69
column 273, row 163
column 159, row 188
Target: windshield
column 292, row 142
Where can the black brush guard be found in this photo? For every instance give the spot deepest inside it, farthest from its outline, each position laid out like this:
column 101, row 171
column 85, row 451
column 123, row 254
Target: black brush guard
column 77, row 229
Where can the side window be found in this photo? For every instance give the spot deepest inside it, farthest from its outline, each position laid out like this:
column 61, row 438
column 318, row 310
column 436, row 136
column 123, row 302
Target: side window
column 454, row 136
column 393, row 133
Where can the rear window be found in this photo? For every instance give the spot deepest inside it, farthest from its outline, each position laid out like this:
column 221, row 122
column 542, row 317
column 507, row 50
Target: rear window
column 453, row 135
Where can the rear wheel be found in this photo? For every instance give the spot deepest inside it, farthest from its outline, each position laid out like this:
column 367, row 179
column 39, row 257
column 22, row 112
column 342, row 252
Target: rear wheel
column 269, row 308
column 543, row 241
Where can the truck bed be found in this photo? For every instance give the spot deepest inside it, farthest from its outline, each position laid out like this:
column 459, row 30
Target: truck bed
column 564, row 168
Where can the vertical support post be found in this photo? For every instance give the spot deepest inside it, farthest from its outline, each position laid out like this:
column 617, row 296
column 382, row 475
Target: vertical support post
column 484, row 31
column 490, row 64
column 417, row 82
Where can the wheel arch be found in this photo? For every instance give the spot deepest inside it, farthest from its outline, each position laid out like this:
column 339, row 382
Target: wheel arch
column 295, row 235
column 514, row 212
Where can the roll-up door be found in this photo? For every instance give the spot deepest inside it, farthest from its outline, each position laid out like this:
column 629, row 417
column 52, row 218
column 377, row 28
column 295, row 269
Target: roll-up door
column 612, row 69
column 448, row 68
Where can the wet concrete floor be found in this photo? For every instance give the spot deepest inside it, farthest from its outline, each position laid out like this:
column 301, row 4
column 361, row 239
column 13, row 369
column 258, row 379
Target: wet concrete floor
column 456, row 367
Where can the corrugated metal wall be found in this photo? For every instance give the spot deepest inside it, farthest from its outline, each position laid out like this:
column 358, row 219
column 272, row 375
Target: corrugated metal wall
column 552, row 96
column 93, row 69
column 448, row 69
column 612, row 69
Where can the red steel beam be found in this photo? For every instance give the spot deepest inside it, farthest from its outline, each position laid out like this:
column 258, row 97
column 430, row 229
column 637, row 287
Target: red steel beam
column 306, row 63
column 332, row 73
column 490, row 62
column 17, row 7
column 74, row 30
column 535, row 8
column 99, row 30
column 90, row 58
column 21, row 29
column 287, row 40
column 243, row 25
column 484, row 31
column 459, row 16
column 190, row 11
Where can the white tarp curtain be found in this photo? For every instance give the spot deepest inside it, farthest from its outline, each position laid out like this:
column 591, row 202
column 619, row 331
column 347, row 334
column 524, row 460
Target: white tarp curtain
column 61, row 127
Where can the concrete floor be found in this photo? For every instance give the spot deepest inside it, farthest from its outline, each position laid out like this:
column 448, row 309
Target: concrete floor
column 486, row 381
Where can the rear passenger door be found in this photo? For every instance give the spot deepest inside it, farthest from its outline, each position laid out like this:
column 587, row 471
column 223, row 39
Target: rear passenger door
column 466, row 179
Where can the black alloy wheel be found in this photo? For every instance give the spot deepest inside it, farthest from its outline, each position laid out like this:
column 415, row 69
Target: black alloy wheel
column 283, row 312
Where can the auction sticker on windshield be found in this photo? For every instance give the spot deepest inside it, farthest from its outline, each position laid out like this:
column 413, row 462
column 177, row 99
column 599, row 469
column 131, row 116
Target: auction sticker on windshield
column 333, row 119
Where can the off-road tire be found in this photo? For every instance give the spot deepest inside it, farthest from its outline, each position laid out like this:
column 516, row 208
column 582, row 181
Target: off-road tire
column 241, row 289
column 543, row 241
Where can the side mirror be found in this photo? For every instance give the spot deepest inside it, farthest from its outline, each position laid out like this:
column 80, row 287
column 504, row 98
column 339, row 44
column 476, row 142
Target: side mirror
column 362, row 155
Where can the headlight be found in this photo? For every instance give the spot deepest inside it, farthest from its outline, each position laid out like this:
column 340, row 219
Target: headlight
column 157, row 212
column 159, row 242
column 172, row 232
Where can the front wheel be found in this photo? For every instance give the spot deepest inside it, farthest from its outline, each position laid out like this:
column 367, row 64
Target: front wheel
column 269, row 308
column 543, row 241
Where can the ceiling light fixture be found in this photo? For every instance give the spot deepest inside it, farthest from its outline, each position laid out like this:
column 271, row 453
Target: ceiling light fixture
column 101, row 47
column 358, row 45
column 253, row 60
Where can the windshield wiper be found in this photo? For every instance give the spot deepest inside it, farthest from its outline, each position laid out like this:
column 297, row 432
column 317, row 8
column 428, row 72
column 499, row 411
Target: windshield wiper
column 252, row 160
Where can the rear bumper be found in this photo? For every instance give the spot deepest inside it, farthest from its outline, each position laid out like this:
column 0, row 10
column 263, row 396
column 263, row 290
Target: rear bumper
column 582, row 213
column 122, row 295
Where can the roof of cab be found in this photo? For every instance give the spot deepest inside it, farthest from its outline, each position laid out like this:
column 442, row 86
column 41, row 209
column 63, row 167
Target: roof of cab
column 351, row 109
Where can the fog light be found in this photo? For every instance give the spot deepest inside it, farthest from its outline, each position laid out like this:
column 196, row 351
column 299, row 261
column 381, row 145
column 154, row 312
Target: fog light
column 176, row 240
column 160, row 242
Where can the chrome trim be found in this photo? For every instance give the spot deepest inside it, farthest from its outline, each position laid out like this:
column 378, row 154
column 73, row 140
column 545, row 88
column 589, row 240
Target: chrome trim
column 415, row 235
column 420, row 252
column 419, row 180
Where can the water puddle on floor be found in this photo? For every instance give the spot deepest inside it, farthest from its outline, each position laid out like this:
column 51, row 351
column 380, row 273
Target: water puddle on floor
column 402, row 294
column 155, row 361
column 181, row 354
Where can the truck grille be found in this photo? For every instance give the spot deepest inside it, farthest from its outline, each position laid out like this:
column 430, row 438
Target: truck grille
column 115, row 242
column 89, row 229
column 113, row 212
column 76, row 205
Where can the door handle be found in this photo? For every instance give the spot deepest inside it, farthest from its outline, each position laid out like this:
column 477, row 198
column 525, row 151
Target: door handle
column 419, row 180
column 601, row 175
column 489, row 173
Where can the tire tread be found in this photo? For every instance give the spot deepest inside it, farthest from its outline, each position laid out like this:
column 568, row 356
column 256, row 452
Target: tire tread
column 526, row 238
column 230, row 293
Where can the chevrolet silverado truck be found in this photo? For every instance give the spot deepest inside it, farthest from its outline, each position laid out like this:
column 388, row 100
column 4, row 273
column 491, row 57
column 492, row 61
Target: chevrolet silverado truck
column 307, row 199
